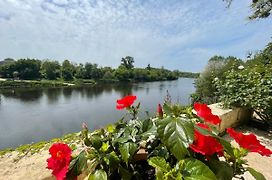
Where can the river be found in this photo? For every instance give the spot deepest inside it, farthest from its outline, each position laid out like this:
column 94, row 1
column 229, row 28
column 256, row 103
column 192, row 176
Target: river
column 32, row 115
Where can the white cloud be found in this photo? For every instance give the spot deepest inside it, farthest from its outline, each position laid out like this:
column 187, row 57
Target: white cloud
column 173, row 34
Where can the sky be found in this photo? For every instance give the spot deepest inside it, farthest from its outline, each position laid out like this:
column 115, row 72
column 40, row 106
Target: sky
column 175, row 34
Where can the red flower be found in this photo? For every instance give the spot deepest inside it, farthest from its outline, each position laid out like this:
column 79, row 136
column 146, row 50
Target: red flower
column 203, row 111
column 59, row 160
column 249, row 142
column 213, row 119
column 159, row 110
column 206, row 145
column 126, row 101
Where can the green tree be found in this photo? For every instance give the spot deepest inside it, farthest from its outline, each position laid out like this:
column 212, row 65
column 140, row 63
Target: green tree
column 50, row 69
column 92, row 71
column 80, row 71
column 28, row 68
column 260, row 8
column 127, row 62
column 67, row 70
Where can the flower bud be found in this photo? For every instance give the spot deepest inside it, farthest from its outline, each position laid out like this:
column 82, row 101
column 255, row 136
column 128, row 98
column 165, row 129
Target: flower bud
column 160, row 112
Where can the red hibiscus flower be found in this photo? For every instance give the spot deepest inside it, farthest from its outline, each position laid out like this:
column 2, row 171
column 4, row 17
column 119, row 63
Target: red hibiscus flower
column 203, row 111
column 159, row 110
column 249, row 142
column 206, row 145
column 125, row 102
column 59, row 160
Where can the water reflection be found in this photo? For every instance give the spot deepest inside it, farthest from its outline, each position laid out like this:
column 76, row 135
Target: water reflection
column 31, row 115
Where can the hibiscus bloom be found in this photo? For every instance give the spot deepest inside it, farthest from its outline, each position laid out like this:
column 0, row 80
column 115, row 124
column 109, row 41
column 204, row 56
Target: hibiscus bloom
column 249, row 142
column 59, row 160
column 206, row 145
column 203, row 111
column 125, row 102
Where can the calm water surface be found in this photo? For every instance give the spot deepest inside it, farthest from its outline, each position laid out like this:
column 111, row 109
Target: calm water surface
column 31, row 115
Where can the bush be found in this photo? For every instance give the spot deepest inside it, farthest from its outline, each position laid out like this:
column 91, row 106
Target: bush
column 174, row 145
column 250, row 87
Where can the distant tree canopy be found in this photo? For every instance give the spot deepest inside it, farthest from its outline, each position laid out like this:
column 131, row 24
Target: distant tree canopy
column 68, row 71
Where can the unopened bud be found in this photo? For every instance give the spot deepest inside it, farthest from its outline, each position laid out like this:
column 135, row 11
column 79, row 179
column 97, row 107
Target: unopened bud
column 84, row 125
column 160, row 112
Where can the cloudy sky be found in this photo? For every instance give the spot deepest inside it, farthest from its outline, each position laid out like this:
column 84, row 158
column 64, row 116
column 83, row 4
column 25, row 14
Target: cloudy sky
column 176, row 34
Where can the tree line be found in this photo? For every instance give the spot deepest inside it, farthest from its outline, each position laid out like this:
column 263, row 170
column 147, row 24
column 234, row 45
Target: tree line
column 34, row 69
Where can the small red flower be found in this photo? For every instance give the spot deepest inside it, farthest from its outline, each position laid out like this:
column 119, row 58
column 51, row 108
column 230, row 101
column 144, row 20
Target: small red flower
column 125, row 102
column 203, row 111
column 159, row 110
column 249, row 142
column 59, row 160
column 206, row 145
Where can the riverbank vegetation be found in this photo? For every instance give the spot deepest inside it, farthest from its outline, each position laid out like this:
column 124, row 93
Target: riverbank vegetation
column 236, row 82
column 79, row 74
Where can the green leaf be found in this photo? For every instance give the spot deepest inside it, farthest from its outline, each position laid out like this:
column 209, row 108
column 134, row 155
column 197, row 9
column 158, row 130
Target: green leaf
column 125, row 174
column 257, row 175
column 127, row 150
column 159, row 163
column 96, row 141
column 177, row 134
column 105, row 146
column 111, row 128
column 113, row 160
column 197, row 170
column 227, row 146
column 222, row 170
column 98, row 175
column 77, row 165
column 167, row 109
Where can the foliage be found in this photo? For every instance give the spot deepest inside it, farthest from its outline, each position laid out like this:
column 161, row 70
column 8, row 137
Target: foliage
column 68, row 71
column 157, row 147
column 249, row 85
column 216, row 67
column 50, row 70
column 255, row 90
column 127, row 62
column 260, row 8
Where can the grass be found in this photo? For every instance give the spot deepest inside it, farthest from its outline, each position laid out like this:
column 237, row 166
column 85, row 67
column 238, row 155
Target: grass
column 43, row 83
column 31, row 149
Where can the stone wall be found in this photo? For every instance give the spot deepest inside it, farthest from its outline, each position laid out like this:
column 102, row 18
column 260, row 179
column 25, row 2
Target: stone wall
column 231, row 117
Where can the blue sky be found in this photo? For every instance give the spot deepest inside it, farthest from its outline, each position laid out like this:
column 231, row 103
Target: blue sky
column 176, row 34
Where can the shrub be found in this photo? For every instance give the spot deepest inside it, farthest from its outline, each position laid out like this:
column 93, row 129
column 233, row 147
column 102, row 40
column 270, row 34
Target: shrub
column 249, row 87
column 175, row 145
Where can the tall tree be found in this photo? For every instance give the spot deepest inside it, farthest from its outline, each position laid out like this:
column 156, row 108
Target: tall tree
column 127, row 62
column 50, row 69
column 67, row 70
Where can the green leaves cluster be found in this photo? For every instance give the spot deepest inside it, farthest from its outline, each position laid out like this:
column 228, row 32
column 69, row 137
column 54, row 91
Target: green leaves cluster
column 250, row 87
column 155, row 148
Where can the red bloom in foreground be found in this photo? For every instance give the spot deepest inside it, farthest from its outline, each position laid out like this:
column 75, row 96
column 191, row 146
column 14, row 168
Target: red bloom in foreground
column 203, row 111
column 206, row 145
column 159, row 110
column 126, row 101
column 249, row 142
column 59, row 160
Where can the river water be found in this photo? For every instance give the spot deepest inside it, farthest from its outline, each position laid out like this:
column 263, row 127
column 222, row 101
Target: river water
column 32, row 115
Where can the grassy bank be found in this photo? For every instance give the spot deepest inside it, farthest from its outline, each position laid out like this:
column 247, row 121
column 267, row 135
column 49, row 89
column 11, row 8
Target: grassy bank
column 42, row 83
column 36, row 147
